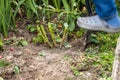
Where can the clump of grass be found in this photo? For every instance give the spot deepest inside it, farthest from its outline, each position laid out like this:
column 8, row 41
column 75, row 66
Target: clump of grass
column 7, row 20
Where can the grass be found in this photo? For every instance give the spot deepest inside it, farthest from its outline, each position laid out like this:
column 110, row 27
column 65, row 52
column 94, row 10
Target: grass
column 7, row 20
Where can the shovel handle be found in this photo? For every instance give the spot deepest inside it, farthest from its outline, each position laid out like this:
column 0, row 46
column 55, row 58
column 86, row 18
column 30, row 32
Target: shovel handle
column 88, row 33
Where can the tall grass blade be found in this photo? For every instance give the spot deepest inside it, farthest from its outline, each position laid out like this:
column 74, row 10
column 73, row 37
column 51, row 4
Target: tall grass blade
column 66, row 5
column 6, row 17
column 18, row 4
column 32, row 5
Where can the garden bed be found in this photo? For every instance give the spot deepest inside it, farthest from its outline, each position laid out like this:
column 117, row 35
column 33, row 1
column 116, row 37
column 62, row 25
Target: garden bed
column 38, row 62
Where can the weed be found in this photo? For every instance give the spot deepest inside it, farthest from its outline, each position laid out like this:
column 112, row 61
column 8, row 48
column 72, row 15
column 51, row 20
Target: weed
column 7, row 20
column 31, row 28
column 42, row 54
column 105, row 42
column 22, row 42
column 75, row 71
column 16, row 70
column 4, row 63
column 1, row 45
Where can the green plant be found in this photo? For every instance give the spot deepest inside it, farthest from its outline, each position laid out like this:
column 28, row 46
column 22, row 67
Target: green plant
column 1, row 45
column 106, row 78
column 16, row 70
column 41, row 32
column 4, row 63
column 57, row 5
column 46, row 10
column 50, row 34
column 43, row 54
column 118, row 5
column 50, row 28
column 101, row 63
column 71, row 11
column 26, row 7
column 105, row 42
column 30, row 4
column 75, row 70
column 18, row 6
column 37, row 39
column 7, row 20
column 22, row 42
column 80, row 32
column 31, row 28
column 64, row 37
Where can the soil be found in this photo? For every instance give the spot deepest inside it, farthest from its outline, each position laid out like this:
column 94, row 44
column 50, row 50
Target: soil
column 42, row 63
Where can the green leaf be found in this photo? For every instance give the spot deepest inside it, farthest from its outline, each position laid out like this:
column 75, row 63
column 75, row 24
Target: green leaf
column 37, row 39
column 23, row 42
column 1, row 43
column 4, row 63
column 31, row 28
column 72, row 25
column 42, row 54
column 66, row 5
column 67, row 45
column 32, row 5
column 18, row 6
column 66, row 25
column 16, row 70
column 58, row 39
column 94, row 40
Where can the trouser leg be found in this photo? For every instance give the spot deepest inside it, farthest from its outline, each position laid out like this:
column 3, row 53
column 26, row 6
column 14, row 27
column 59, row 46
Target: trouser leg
column 105, row 8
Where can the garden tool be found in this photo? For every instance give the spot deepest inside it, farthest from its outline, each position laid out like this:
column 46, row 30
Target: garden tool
column 88, row 33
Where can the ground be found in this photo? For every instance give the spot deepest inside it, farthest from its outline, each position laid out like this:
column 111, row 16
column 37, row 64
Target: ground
column 53, row 64
column 37, row 62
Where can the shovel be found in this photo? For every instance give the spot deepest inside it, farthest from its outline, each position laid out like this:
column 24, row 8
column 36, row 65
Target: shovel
column 88, row 32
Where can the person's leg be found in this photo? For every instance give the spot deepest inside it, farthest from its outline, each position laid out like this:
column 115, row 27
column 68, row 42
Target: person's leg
column 107, row 18
column 105, row 8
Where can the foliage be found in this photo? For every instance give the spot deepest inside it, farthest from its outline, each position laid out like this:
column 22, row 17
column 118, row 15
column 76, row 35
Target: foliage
column 101, row 63
column 7, row 20
column 4, row 63
column 25, row 6
column 99, row 55
column 16, row 70
column 22, row 42
column 43, row 54
column 105, row 42
column 44, row 10
column 1, row 45
column 49, row 34
column 118, row 5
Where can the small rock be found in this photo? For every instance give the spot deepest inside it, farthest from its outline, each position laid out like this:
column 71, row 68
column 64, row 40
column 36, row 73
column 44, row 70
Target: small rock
column 1, row 78
column 17, row 53
column 11, row 49
column 1, row 57
column 9, row 58
column 28, row 51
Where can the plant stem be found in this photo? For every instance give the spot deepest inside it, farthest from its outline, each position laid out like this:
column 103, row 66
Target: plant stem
column 64, row 36
column 44, row 36
column 52, row 33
